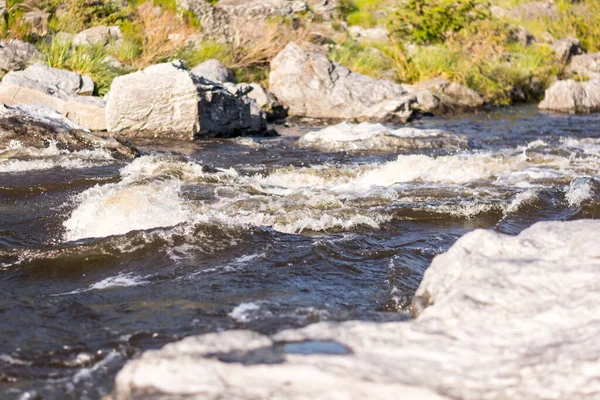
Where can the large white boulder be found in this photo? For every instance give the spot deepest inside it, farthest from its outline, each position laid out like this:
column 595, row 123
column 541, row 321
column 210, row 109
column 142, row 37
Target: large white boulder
column 572, row 97
column 500, row 317
column 65, row 91
column 167, row 99
column 310, row 85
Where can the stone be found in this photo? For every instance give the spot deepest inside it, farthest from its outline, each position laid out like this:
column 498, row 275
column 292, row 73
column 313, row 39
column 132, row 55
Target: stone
column 566, row 48
column 326, row 9
column 38, row 21
column 310, row 85
column 585, row 65
column 98, row 35
column 521, row 35
column 498, row 317
column 16, row 55
column 2, row 7
column 572, row 97
column 65, row 91
column 35, row 126
column 214, row 71
column 168, row 100
column 452, row 96
column 376, row 34
column 264, row 99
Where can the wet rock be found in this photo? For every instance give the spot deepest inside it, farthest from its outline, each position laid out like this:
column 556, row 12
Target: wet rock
column 493, row 324
column 566, row 48
column 452, row 96
column 213, row 70
column 16, row 55
column 37, row 126
column 310, row 85
column 264, row 99
column 376, row 137
column 585, row 65
column 167, row 99
column 573, row 97
column 98, row 35
column 61, row 90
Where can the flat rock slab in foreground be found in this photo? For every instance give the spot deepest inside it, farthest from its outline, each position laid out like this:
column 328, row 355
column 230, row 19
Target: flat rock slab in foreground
column 501, row 317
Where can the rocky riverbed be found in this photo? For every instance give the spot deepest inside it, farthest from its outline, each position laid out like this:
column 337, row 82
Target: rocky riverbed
column 104, row 257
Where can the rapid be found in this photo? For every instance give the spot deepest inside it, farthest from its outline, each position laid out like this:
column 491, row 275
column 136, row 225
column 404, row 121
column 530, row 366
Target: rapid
column 102, row 259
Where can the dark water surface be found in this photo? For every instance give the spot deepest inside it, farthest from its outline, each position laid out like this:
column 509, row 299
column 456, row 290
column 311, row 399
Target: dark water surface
column 101, row 260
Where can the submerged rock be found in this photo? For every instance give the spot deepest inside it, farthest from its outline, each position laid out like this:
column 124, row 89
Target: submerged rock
column 167, row 99
column 499, row 317
column 367, row 136
column 37, row 126
column 310, row 85
column 16, row 55
column 61, row 90
column 572, row 97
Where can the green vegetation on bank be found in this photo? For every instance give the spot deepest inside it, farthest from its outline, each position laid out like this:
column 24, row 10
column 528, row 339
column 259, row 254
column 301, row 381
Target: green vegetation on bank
column 463, row 41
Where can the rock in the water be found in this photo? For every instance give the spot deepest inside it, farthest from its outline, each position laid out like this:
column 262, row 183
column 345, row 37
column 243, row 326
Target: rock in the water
column 367, row 136
column 61, row 90
column 168, row 100
column 35, row 126
column 98, row 35
column 16, row 55
column 573, row 97
column 585, row 65
column 566, row 48
column 500, row 317
column 214, row 71
column 310, row 85
column 452, row 96
column 264, row 99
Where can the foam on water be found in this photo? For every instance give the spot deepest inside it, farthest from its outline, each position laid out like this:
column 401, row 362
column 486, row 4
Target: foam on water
column 368, row 136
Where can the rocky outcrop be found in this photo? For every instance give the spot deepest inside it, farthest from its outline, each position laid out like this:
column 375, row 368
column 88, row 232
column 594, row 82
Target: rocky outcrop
column 310, row 85
column 34, row 126
column 585, row 65
column 16, row 55
column 213, row 70
column 499, row 317
column 64, row 91
column 97, row 36
column 573, row 97
column 566, row 48
column 168, row 100
column 452, row 96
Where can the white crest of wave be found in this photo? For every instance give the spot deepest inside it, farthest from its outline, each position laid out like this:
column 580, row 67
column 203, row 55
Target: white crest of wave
column 364, row 136
column 580, row 190
column 119, row 208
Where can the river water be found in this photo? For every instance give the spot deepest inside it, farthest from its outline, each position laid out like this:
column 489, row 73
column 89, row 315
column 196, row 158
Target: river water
column 102, row 259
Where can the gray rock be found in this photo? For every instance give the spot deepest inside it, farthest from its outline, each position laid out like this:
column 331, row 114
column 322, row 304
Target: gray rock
column 528, row 11
column 327, row 9
column 312, row 86
column 585, row 65
column 493, row 324
column 452, row 96
column 2, row 7
column 377, row 34
column 16, row 55
column 213, row 70
column 168, row 100
column 35, row 126
column 38, row 21
column 265, row 100
column 521, row 34
column 64, row 91
column 98, row 35
column 566, row 48
column 572, row 97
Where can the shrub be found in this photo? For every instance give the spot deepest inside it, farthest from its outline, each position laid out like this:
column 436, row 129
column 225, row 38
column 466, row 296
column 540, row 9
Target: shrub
column 432, row 21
